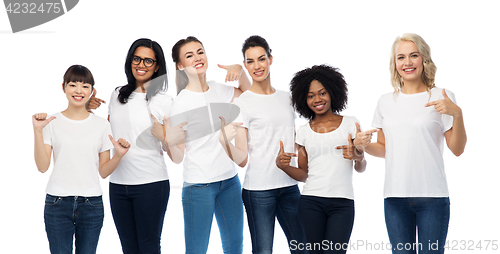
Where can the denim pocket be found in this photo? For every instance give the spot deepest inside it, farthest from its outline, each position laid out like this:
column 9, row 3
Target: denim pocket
column 51, row 200
column 199, row 185
column 94, row 201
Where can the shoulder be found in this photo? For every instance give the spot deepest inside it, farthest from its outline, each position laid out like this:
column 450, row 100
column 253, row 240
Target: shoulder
column 437, row 93
column 219, row 87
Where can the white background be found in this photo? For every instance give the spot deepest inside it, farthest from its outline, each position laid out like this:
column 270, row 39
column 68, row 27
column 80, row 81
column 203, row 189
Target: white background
column 355, row 36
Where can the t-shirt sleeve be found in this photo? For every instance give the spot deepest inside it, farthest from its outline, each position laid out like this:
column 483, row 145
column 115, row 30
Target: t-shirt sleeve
column 447, row 120
column 112, row 100
column 105, row 141
column 47, row 137
column 377, row 116
column 300, row 137
column 243, row 115
column 352, row 127
column 161, row 108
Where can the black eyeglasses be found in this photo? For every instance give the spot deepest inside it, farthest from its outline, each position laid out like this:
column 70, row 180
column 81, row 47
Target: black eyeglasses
column 148, row 62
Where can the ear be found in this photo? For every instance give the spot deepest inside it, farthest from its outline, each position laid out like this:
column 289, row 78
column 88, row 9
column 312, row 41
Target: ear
column 157, row 68
column 180, row 67
column 64, row 88
column 245, row 64
column 270, row 59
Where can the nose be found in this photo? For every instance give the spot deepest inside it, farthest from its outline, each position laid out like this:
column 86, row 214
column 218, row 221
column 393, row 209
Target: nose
column 142, row 64
column 408, row 61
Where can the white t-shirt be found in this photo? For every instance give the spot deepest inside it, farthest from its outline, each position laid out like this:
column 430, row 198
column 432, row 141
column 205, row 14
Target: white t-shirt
column 330, row 174
column 414, row 139
column 269, row 119
column 76, row 145
column 143, row 163
column 205, row 160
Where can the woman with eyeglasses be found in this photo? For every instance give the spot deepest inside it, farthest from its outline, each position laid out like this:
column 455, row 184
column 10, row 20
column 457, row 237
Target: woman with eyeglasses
column 211, row 183
column 139, row 188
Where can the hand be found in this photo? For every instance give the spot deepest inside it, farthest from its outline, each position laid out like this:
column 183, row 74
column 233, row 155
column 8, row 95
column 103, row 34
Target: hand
column 228, row 132
column 364, row 138
column 174, row 135
column 233, row 71
column 40, row 121
column 157, row 130
column 446, row 106
column 350, row 152
column 121, row 146
column 93, row 102
column 283, row 159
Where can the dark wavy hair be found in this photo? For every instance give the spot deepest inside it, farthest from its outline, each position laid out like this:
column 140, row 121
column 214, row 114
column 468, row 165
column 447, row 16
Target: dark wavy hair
column 158, row 80
column 78, row 73
column 255, row 41
column 181, row 78
column 329, row 77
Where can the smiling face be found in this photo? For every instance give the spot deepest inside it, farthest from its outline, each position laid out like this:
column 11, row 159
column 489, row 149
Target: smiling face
column 77, row 93
column 257, row 63
column 143, row 74
column 318, row 98
column 409, row 62
column 192, row 58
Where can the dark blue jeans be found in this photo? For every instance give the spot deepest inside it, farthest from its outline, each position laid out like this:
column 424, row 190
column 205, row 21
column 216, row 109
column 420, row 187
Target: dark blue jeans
column 327, row 223
column 138, row 212
column 78, row 216
column 404, row 217
column 200, row 202
column 263, row 207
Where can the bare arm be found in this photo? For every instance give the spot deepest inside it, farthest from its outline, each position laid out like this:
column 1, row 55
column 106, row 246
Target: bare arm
column 107, row 165
column 238, row 153
column 235, row 72
column 377, row 149
column 42, row 151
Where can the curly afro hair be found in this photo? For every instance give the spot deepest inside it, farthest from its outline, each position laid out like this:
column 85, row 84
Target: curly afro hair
column 329, row 77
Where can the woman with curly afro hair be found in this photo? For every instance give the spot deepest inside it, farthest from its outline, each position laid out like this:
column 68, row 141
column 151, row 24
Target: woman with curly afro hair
column 326, row 153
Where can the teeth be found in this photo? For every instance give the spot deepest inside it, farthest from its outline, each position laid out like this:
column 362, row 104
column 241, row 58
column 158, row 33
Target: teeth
column 141, row 72
column 198, row 65
column 410, row 69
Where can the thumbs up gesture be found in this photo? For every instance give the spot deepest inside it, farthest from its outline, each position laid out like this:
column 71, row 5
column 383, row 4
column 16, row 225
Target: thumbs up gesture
column 350, row 152
column 40, row 121
column 121, row 146
column 446, row 106
column 283, row 159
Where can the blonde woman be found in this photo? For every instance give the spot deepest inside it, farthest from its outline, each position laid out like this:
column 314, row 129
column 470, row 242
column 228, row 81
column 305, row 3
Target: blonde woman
column 414, row 122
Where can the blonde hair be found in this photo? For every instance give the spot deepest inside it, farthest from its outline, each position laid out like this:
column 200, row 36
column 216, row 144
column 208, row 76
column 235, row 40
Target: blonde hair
column 429, row 73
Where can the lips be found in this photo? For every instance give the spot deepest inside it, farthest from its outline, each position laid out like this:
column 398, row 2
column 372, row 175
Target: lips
column 140, row 72
column 258, row 73
column 199, row 65
column 78, row 97
column 409, row 70
column 319, row 106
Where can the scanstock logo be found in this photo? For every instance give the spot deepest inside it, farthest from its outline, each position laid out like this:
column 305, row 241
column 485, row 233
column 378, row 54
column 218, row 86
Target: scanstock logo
column 25, row 14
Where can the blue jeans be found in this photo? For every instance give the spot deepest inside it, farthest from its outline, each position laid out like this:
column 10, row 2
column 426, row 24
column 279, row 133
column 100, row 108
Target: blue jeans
column 138, row 212
column 263, row 207
column 78, row 216
column 403, row 216
column 329, row 219
column 200, row 202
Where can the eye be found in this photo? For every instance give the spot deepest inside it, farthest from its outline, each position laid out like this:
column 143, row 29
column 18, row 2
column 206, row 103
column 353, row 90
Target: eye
column 249, row 61
column 400, row 57
column 136, row 59
column 323, row 94
column 149, row 61
column 414, row 55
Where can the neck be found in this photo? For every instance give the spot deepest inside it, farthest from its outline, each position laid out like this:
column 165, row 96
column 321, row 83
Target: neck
column 141, row 87
column 262, row 87
column 412, row 87
column 76, row 113
column 198, row 84
column 327, row 116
